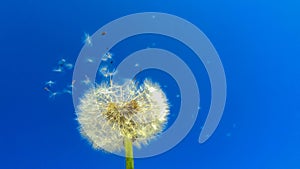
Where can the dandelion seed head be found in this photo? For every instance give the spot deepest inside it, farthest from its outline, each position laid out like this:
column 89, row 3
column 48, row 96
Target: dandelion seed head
column 109, row 113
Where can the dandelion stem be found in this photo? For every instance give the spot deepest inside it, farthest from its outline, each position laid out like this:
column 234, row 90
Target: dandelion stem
column 128, row 153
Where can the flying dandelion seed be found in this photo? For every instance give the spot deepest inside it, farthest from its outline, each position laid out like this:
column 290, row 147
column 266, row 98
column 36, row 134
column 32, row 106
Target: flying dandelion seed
column 87, row 39
column 89, row 60
column 52, row 95
column 67, row 91
column 110, row 113
column 107, row 56
column 68, row 66
column 87, row 80
column 104, row 71
column 59, row 70
column 62, row 65
column 49, row 83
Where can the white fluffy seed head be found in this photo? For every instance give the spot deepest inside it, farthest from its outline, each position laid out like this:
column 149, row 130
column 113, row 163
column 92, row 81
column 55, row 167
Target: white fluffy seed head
column 108, row 113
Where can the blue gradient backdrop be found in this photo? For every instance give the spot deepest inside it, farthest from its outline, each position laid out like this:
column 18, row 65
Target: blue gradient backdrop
column 258, row 43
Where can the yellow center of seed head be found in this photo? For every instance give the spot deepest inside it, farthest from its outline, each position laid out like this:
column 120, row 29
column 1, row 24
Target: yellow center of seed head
column 121, row 118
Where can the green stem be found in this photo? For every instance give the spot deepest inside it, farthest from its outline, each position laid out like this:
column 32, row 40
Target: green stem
column 128, row 153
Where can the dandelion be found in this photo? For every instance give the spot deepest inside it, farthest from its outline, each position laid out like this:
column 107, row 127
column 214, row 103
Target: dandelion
column 116, row 117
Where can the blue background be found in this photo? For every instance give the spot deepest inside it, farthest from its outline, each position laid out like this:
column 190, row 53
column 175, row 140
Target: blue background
column 258, row 43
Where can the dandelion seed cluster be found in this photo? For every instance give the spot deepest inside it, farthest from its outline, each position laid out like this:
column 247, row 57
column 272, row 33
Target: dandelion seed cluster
column 108, row 113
